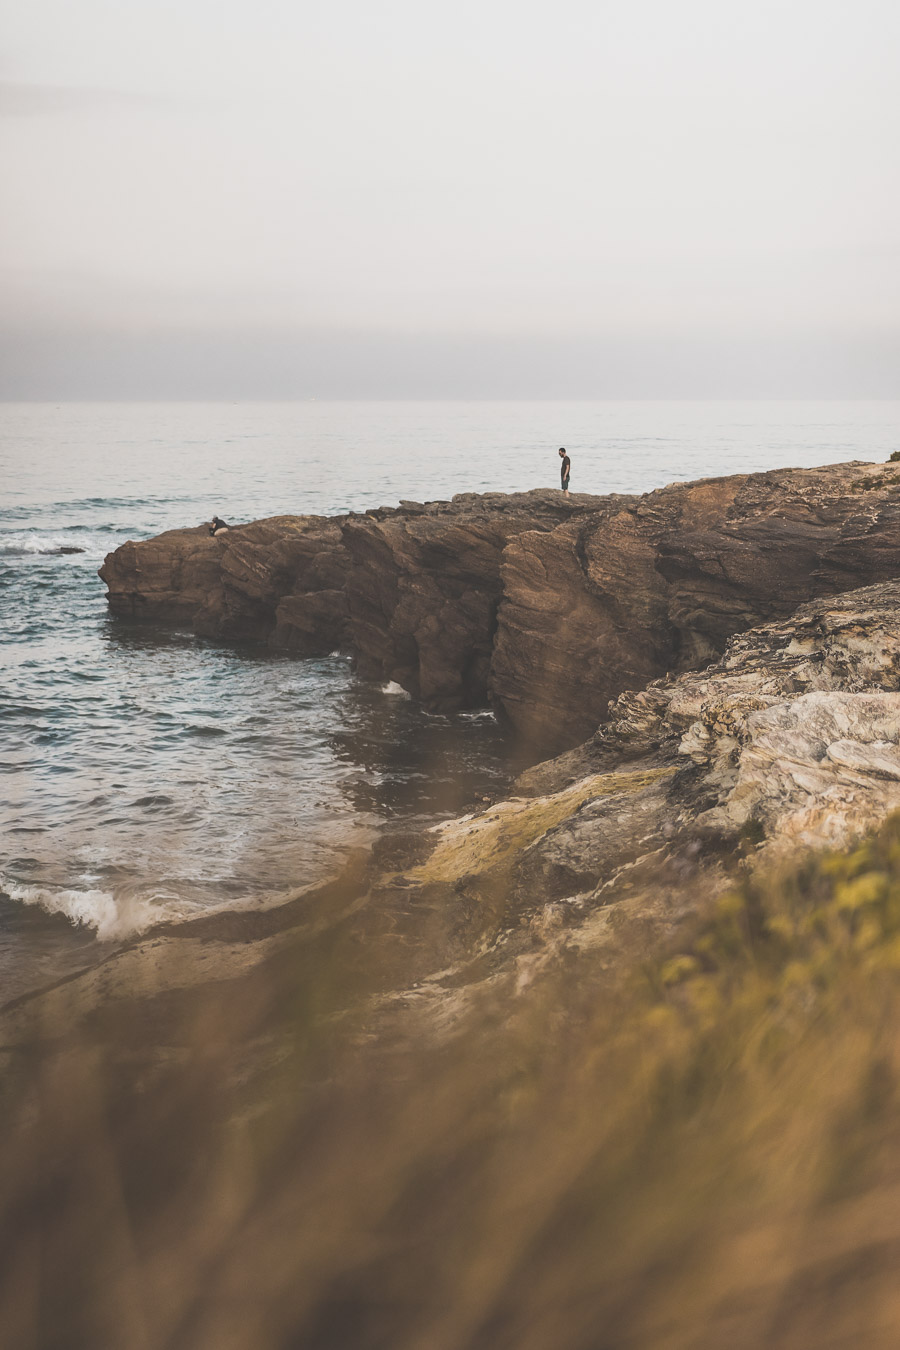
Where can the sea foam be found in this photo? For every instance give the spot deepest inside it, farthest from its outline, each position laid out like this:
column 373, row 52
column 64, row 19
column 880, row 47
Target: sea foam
column 27, row 543
column 397, row 690
column 112, row 917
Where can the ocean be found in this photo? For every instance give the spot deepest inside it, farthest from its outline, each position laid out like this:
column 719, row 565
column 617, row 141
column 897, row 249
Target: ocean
column 151, row 776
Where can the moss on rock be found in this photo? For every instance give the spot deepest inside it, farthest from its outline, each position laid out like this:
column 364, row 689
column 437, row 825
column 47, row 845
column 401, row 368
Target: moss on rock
column 486, row 843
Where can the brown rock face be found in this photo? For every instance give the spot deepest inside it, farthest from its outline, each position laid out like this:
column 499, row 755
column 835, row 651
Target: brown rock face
column 549, row 606
column 412, row 592
column 659, row 584
column 795, row 731
column 281, row 581
column 425, row 583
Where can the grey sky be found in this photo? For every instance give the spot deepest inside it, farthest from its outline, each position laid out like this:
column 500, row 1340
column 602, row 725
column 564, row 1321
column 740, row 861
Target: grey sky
column 263, row 198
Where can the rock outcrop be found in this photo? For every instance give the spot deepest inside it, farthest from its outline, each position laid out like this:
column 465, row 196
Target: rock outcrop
column 411, row 592
column 547, row 606
column 794, row 735
column 281, row 581
column 791, row 741
column 659, row 584
column 707, row 1100
column 425, row 583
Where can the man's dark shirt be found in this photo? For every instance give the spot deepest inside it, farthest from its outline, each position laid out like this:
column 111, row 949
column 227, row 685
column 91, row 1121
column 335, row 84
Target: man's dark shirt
column 564, row 471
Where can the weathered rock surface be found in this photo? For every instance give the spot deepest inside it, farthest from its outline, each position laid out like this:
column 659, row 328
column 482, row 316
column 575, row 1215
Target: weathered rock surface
column 548, row 606
column 280, row 580
column 790, row 740
column 412, row 592
column 424, row 586
column 794, row 733
column 659, row 583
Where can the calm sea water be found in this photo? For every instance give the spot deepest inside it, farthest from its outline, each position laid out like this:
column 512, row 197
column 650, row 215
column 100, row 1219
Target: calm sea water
column 152, row 776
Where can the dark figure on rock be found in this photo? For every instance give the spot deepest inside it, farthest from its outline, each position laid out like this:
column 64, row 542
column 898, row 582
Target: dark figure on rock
column 564, row 469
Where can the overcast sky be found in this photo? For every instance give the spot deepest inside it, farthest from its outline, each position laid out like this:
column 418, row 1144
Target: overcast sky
column 276, row 198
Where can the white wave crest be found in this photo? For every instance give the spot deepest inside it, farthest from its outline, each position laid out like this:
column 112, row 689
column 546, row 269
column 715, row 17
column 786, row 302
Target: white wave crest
column 392, row 687
column 23, row 543
column 111, row 916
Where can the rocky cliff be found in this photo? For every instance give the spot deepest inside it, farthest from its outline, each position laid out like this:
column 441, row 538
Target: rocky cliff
column 549, row 607
column 281, row 580
column 660, row 582
column 411, row 592
column 597, row 1056
column 424, row 587
column 789, row 742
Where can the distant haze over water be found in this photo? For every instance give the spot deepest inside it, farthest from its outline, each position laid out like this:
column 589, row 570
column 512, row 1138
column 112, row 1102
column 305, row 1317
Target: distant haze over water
column 498, row 199
column 156, row 775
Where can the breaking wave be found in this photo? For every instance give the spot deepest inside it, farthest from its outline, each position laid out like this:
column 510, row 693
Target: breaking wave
column 115, row 918
column 110, row 916
column 392, row 687
column 26, row 543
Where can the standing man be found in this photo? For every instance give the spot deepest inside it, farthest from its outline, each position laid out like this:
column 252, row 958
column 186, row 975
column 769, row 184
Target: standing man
column 564, row 470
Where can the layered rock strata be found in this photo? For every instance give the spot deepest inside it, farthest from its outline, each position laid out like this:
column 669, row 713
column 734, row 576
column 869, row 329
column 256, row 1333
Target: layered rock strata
column 281, row 580
column 411, row 592
column 425, row 583
column 790, row 741
column 659, row 583
column 547, row 606
column 792, row 736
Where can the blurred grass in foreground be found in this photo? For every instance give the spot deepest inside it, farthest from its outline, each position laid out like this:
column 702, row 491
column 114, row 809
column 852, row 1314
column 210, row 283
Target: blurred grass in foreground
column 703, row 1152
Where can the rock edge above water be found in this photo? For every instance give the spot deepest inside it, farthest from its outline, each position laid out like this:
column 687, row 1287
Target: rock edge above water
column 544, row 606
column 790, row 741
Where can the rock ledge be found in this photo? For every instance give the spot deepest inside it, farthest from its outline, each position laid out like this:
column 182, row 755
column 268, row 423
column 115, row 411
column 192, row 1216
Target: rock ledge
column 548, row 607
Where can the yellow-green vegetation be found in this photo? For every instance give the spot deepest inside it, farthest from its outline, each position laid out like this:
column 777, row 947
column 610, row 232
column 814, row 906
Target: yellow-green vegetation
column 836, row 915
column 490, row 841
column 702, row 1152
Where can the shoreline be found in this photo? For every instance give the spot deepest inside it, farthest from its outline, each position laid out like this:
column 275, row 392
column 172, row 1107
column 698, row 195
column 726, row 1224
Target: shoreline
column 540, row 606
column 643, row 982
